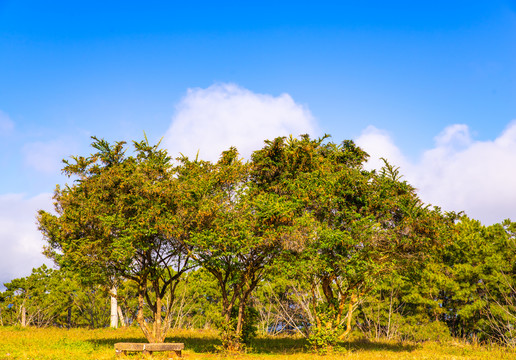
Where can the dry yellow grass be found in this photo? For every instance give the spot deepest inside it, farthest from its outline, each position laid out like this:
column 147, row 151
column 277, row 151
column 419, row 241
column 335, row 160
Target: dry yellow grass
column 78, row 344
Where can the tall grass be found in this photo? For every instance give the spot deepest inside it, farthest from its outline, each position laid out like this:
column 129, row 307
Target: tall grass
column 79, row 344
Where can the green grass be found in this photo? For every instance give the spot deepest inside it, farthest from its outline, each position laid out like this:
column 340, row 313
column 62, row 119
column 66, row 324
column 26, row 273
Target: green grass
column 78, row 344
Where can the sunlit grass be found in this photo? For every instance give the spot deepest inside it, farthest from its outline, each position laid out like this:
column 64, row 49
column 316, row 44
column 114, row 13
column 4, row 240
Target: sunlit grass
column 78, row 344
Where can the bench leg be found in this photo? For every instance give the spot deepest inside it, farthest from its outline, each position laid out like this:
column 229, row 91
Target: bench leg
column 174, row 354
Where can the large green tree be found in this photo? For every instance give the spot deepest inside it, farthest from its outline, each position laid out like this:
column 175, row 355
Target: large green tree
column 479, row 271
column 366, row 223
column 120, row 220
column 238, row 233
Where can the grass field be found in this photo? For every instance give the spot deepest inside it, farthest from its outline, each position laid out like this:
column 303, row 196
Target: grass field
column 78, row 344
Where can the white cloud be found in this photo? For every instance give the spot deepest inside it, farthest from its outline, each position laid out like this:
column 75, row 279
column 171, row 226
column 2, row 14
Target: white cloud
column 378, row 143
column 454, row 137
column 6, row 124
column 213, row 119
column 46, row 157
column 20, row 240
column 458, row 173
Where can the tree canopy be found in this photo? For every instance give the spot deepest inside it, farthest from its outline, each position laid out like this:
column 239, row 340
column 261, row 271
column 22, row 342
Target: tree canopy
column 119, row 219
column 301, row 229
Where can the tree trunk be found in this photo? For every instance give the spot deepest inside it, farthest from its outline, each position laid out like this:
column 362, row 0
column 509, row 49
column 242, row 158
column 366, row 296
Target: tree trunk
column 23, row 315
column 92, row 318
column 390, row 315
column 69, row 317
column 114, row 307
column 157, row 326
column 157, row 332
column 240, row 320
column 121, row 316
column 352, row 303
column 229, row 338
column 140, row 317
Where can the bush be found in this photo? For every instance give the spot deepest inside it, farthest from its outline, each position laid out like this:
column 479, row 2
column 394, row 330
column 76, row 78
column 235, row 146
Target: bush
column 431, row 331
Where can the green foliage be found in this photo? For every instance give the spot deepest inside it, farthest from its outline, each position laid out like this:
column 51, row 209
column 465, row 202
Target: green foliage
column 479, row 268
column 120, row 220
column 29, row 301
column 323, row 339
column 230, row 338
column 357, row 224
column 53, row 297
column 301, row 238
column 430, row 331
column 240, row 229
column 249, row 329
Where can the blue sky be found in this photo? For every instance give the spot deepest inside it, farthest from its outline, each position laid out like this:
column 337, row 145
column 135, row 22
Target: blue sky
column 429, row 84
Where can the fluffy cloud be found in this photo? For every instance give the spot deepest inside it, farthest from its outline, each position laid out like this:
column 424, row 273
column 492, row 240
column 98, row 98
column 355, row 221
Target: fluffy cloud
column 223, row 115
column 6, row 124
column 458, row 173
column 20, row 239
column 46, row 157
column 378, row 144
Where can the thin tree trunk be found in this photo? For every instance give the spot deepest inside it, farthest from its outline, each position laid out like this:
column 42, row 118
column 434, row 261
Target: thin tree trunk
column 23, row 315
column 69, row 317
column 114, row 307
column 352, row 303
column 121, row 316
column 92, row 318
column 157, row 321
column 390, row 316
column 140, row 317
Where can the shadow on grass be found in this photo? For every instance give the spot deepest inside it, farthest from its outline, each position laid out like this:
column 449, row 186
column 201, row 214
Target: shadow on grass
column 278, row 345
column 366, row 345
column 199, row 343
column 285, row 345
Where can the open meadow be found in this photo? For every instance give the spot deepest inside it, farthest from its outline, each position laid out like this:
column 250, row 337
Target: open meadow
column 79, row 344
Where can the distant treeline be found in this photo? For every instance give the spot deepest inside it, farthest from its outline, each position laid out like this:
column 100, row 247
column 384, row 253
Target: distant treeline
column 299, row 239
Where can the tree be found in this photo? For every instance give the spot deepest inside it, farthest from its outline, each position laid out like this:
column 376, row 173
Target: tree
column 305, row 201
column 33, row 298
column 365, row 224
column 501, row 313
column 239, row 231
column 479, row 278
column 120, row 220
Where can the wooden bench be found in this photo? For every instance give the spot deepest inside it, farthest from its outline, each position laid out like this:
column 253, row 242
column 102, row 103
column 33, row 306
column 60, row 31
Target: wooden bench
column 149, row 348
